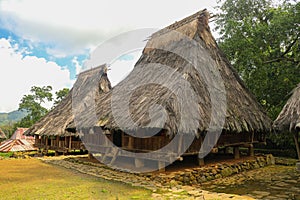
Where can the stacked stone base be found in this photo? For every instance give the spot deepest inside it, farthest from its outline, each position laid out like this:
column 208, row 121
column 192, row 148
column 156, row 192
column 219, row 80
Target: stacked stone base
column 200, row 175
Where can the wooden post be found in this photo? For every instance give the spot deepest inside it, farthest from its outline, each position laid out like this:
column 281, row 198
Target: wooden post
column 130, row 142
column 139, row 163
column 236, row 152
column 56, row 153
column 296, row 138
column 251, row 150
column 201, row 162
column 70, row 143
column 90, row 156
column 47, row 145
column 66, row 142
column 161, row 166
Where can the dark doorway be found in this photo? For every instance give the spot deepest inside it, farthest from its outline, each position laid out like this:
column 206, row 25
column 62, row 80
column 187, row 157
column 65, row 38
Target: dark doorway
column 117, row 138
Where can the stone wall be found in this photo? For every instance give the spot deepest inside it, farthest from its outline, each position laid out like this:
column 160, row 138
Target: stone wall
column 202, row 174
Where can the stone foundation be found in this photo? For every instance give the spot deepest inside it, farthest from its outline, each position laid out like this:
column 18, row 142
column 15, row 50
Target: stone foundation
column 199, row 175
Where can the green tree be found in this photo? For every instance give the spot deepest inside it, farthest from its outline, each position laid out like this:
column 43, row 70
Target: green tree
column 32, row 103
column 261, row 40
column 60, row 95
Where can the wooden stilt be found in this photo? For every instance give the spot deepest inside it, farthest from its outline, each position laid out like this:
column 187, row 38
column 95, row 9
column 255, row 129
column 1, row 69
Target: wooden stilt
column 201, row 162
column 46, row 150
column 90, row 156
column 70, row 143
column 296, row 139
column 236, row 152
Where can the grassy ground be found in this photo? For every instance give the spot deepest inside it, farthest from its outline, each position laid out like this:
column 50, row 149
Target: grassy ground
column 32, row 179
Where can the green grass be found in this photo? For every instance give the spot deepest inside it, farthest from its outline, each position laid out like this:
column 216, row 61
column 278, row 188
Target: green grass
column 6, row 155
column 32, row 179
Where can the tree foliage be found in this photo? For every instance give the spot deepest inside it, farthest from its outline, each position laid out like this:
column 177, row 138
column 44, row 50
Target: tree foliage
column 60, row 95
column 32, row 103
column 261, row 40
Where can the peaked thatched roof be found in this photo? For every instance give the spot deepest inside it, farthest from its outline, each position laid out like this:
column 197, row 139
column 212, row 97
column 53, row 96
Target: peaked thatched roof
column 243, row 114
column 18, row 142
column 2, row 135
column 289, row 118
column 56, row 121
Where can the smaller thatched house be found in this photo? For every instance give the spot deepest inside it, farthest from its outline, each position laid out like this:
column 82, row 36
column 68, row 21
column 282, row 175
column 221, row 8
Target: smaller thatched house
column 18, row 142
column 2, row 136
column 51, row 131
column 288, row 119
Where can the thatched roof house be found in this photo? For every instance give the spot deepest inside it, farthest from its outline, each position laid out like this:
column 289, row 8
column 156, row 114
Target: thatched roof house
column 18, row 142
column 244, row 114
column 245, row 120
column 56, row 121
column 289, row 118
column 51, row 130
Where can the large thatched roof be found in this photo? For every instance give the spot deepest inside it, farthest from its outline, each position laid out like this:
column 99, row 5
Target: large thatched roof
column 289, row 118
column 56, row 121
column 244, row 114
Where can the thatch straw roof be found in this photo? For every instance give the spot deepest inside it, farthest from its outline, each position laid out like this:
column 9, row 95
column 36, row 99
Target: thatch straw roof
column 244, row 114
column 56, row 121
column 289, row 118
column 18, row 142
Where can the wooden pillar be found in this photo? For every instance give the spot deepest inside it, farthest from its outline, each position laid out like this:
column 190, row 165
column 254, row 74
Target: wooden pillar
column 236, row 152
column 70, row 143
column 47, row 145
column 90, row 156
column 296, row 139
column 161, row 166
column 130, row 142
column 251, row 150
column 201, row 162
column 66, row 142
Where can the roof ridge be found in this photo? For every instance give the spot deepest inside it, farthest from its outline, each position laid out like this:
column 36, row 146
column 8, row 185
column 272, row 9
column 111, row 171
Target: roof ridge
column 180, row 23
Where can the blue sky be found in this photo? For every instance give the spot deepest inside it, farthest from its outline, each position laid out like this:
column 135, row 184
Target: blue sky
column 47, row 42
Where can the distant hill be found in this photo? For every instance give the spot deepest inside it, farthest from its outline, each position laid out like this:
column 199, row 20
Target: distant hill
column 14, row 116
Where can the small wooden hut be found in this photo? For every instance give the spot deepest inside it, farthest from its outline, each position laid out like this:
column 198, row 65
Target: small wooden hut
column 50, row 132
column 246, row 122
column 288, row 119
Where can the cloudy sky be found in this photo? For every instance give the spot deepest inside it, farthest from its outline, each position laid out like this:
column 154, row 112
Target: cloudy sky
column 47, row 42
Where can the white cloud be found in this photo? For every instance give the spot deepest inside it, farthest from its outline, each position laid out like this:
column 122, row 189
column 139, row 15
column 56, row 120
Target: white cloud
column 19, row 74
column 74, row 25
